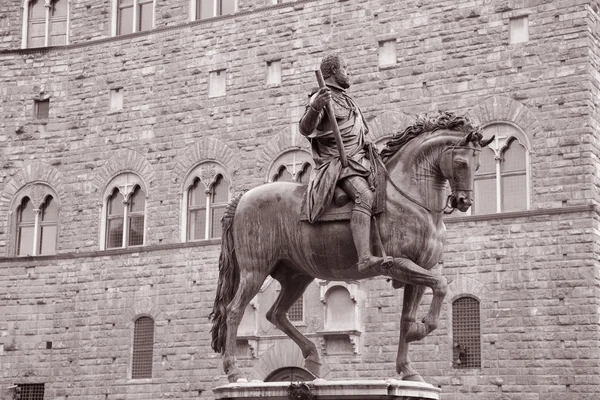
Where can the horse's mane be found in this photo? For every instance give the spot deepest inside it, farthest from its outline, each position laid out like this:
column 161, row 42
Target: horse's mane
column 429, row 123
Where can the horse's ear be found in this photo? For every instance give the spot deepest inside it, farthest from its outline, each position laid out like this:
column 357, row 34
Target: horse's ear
column 484, row 143
column 466, row 140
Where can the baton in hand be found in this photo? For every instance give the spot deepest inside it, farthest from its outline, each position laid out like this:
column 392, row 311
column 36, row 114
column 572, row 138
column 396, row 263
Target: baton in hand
column 334, row 125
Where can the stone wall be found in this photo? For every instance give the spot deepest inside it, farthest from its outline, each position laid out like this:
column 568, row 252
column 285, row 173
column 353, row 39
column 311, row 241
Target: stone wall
column 535, row 272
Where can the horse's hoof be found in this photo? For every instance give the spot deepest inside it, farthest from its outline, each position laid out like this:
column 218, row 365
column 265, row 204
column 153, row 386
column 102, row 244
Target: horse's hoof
column 236, row 377
column 313, row 365
column 413, row 378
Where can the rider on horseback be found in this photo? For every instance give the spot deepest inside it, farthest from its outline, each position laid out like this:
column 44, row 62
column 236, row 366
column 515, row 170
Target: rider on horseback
column 357, row 179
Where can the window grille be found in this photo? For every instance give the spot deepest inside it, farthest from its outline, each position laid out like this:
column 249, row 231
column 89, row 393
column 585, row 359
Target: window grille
column 29, row 391
column 296, row 311
column 143, row 343
column 466, row 333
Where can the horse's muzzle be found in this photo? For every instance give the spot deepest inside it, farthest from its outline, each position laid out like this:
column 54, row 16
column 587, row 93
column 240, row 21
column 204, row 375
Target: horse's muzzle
column 462, row 201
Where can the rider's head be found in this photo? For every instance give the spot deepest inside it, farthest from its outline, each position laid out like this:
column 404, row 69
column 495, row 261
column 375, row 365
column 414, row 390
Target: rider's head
column 335, row 65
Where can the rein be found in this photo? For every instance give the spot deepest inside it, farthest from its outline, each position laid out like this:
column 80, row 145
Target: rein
column 417, row 202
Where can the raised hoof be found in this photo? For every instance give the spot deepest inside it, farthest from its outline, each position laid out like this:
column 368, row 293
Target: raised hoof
column 413, row 378
column 397, row 284
column 366, row 264
column 236, row 377
column 314, row 366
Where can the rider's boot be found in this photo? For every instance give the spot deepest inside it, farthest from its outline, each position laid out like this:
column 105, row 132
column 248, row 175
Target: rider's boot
column 360, row 223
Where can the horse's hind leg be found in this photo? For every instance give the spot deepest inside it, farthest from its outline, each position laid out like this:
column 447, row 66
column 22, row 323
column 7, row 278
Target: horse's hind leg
column 292, row 287
column 249, row 286
column 409, row 330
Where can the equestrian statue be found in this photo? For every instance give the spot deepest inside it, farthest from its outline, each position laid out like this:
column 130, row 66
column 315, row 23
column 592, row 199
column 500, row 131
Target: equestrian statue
column 395, row 226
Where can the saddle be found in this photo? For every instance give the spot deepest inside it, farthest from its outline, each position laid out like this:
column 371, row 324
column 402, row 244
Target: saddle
column 340, row 208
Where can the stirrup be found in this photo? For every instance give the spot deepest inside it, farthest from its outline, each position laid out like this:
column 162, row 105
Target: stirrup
column 371, row 262
column 387, row 264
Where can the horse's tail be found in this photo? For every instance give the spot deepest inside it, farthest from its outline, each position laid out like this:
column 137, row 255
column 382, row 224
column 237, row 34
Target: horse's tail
column 229, row 279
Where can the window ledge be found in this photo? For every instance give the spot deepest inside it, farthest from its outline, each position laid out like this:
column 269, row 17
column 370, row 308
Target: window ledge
column 522, row 214
column 112, row 252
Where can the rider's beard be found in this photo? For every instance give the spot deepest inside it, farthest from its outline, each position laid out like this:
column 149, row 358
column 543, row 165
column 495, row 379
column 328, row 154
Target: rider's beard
column 342, row 81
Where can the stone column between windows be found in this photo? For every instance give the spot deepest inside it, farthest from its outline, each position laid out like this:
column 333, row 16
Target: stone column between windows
column 207, row 225
column 126, row 221
column 498, row 176
column 36, row 230
column 48, row 7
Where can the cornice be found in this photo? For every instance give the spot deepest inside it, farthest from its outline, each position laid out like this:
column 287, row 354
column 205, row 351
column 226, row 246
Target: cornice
column 522, row 214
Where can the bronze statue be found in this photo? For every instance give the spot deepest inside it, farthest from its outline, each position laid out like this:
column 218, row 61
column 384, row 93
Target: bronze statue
column 356, row 178
column 263, row 235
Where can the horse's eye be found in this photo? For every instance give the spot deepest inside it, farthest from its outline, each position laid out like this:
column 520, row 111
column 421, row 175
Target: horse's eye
column 460, row 162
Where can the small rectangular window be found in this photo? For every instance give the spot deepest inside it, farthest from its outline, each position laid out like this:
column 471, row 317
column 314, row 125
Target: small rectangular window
column 42, row 108
column 387, row 52
column 518, row 30
column 217, row 83
column 274, row 72
column 116, row 99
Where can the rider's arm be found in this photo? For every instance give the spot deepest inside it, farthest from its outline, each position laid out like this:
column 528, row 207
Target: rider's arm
column 314, row 111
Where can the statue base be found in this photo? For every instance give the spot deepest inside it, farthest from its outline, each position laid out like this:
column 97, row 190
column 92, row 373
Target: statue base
column 332, row 390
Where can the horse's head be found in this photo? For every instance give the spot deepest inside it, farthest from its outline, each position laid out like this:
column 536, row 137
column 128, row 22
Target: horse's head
column 458, row 164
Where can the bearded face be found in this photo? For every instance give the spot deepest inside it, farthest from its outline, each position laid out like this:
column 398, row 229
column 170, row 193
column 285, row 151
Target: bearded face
column 342, row 78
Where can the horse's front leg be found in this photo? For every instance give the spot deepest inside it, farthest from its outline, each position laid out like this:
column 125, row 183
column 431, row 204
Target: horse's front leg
column 408, row 326
column 404, row 270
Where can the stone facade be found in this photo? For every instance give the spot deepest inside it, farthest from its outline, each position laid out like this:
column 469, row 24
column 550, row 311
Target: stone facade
column 535, row 272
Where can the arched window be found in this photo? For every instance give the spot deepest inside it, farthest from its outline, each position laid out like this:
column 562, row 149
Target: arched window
column 502, row 181
column 206, row 200
column 143, row 345
column 290, row 374
column 124, row 213
column 292, row 166
column 132, row 16
column 466, row 333
column 37, row 227
column 213, row 8
column 46, row 26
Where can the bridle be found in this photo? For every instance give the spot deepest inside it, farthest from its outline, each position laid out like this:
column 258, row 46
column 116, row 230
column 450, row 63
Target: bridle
column 448, row 199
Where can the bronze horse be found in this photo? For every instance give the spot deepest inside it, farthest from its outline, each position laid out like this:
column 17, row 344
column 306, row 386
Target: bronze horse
column 263, row 235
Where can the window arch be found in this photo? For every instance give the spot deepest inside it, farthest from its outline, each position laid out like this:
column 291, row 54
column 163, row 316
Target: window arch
column 290, row 374
column 291, row 166
column 466, row 333
column 46, row 23
column 36, row 221
column 206, row 197
column 124, row 209
column 143, row 348
column 131, row 16
column 502, row 181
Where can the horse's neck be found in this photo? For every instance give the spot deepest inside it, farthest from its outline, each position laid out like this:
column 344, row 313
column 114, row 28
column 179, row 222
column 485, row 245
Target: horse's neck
column 416, row 168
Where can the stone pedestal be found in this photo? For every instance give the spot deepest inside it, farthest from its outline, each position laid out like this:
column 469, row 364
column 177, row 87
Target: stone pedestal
column 332, row 390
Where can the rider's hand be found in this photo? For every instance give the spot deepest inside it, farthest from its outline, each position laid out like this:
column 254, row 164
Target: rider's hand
column 320, row 99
